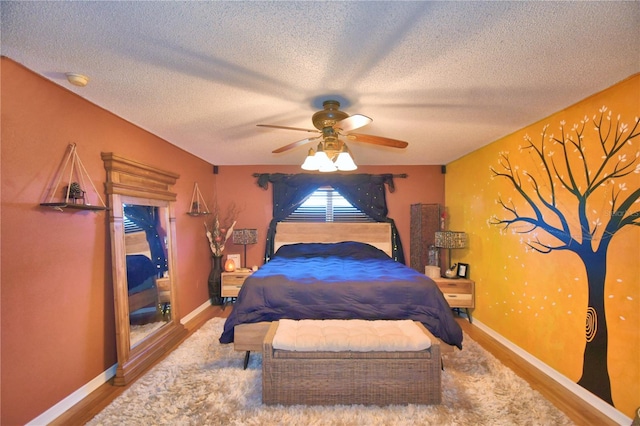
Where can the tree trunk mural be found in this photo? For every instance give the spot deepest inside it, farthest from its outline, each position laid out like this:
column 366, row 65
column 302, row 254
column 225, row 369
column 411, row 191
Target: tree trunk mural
column 595, row 375
column 572, row 168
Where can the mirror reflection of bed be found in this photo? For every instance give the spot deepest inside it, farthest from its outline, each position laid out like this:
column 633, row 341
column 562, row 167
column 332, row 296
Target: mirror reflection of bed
column 147, row 281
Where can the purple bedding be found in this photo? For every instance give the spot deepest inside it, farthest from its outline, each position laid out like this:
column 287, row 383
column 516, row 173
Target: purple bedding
column 346, row 280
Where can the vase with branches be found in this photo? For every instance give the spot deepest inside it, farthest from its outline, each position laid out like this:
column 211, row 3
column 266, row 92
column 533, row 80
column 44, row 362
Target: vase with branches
column 218, row 233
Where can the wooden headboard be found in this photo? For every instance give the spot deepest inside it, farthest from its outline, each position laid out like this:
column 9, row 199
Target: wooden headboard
column 377, row 234
column 136, row 243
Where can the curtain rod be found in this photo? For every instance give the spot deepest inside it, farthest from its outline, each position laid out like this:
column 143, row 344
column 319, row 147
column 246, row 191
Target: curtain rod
column 401, row 175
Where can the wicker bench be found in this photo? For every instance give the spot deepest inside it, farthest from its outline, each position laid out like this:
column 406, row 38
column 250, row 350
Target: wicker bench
column 370, row 378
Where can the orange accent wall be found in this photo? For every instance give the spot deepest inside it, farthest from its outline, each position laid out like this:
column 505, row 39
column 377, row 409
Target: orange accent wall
column 539, row 301
column 56, row 299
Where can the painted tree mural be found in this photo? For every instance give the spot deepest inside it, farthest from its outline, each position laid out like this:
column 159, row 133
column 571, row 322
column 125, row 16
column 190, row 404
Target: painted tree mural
column 559, row 204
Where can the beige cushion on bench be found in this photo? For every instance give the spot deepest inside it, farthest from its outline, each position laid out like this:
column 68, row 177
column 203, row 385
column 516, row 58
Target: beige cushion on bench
column 350, row 335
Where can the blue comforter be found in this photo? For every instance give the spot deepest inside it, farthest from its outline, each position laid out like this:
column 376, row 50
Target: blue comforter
column 346, row 280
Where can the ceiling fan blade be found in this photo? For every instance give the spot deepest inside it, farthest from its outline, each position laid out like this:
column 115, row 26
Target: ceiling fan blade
column 377, row 140
column 352, row 122
column 294, row 144
column 287, row 128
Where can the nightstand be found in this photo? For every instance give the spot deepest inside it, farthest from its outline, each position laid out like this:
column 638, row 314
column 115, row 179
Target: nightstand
column 460, row 292
column 232, row 281
column 164, row 290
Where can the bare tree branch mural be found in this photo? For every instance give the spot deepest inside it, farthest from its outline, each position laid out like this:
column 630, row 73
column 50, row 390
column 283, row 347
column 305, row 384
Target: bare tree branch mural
column 573, row 166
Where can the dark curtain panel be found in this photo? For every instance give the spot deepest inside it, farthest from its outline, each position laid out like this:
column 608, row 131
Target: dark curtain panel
column 364, row 191
column 146, row 217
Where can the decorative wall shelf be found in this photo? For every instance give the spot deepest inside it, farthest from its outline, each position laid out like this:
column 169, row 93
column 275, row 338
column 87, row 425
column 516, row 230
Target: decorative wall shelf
column 197, row 203
column 62, row 206
column 198, row 213
column 75, row 195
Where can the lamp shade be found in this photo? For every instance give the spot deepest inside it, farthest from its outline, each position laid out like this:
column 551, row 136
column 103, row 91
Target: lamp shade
column 310, row 163
column 450, row 239
column 345, row 163
column 324, row 162
column 245, row 236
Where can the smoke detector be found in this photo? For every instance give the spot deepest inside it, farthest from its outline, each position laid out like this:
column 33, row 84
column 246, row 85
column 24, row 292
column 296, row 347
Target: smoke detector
column 77, row 79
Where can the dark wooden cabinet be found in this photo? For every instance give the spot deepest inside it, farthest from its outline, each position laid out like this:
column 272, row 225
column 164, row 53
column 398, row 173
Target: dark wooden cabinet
column 425, row 221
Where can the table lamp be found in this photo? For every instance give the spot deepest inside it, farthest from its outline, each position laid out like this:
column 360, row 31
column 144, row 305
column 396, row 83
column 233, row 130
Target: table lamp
column 450, row 240
column 244, row 237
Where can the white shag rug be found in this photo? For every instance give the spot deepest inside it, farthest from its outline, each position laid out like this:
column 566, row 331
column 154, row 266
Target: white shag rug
column 202, row 383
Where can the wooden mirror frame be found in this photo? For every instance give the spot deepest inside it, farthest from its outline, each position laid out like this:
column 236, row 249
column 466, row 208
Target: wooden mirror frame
column 127, row 179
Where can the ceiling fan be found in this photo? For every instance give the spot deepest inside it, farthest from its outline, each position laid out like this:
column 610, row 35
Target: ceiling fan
column 331, row 123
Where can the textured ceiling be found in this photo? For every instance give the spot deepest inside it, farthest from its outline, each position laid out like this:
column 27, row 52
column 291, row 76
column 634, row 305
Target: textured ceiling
column 447, row 77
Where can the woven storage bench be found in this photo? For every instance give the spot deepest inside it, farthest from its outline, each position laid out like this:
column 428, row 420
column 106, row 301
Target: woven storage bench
column 370, row 378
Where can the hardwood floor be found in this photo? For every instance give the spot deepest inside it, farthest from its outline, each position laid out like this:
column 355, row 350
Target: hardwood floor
column 575, row 408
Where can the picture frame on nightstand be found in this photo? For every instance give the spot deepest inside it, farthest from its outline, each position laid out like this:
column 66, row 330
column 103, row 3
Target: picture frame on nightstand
column 463, row 270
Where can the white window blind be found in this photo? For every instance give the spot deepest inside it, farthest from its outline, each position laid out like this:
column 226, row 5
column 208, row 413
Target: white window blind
column 327, row 205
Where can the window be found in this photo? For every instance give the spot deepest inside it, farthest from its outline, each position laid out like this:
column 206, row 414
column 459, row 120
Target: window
column 130, row 226
column 327, row 205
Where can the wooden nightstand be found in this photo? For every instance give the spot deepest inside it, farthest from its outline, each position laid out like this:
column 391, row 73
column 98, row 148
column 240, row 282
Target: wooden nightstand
column 232, row 281
column 460, row 293
column 164, row 290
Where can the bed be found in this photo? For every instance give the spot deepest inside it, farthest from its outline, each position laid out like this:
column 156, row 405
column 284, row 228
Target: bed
column 335, row 271
column 141, row 282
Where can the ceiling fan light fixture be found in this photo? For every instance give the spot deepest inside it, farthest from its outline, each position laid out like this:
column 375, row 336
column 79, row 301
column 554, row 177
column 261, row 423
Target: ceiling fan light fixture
column 327, row 163
column 332, row 153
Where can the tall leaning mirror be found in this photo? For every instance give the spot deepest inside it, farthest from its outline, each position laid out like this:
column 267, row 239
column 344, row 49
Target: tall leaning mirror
column 142, row 225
